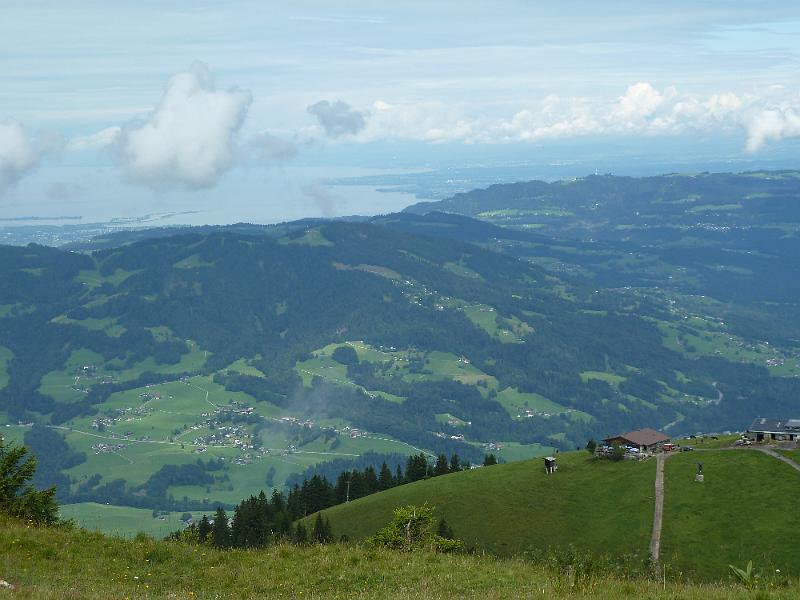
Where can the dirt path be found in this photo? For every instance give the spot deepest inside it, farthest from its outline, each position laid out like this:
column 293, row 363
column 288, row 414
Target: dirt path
column 658, row 511
column 780, row 457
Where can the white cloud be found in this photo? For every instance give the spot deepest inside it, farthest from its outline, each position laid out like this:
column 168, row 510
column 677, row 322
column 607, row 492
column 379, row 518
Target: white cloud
column 772, row 124
column 642, row 110
column 189, row 139
column 101, row 139
column 640, row 101
column 21, row 152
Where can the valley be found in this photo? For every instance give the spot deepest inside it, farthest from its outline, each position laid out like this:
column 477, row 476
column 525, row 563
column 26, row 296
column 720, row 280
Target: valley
column 180, row 369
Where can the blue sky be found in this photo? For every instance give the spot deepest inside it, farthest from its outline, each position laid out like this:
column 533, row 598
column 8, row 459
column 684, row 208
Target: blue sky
column 152, row 103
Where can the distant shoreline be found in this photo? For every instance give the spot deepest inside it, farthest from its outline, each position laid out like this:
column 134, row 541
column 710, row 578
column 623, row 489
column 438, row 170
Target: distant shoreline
column 62, row 218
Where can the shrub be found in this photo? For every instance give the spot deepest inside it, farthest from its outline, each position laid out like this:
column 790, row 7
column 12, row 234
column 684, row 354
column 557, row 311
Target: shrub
column 412, row 528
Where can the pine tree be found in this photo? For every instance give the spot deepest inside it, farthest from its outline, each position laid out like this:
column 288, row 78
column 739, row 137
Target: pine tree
column 17, row 497
column 371, row 480
column 220, row 532
column 204, row 529
column 399, row 478
column 441, row 467
column 417, row 467
column 489, row 460
column 455, row 463
column 385, row 479
column 300, row 535
column 322, row 530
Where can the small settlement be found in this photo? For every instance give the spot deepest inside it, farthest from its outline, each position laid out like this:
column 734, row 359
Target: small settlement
column 779, row 430
column 637, row 444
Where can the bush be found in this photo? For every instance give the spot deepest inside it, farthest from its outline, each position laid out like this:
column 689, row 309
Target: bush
column 412, row 528
column 617, row 454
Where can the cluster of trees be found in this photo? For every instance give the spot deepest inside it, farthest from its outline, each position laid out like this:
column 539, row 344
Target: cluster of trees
column 260, row 520
column 53, row 455
column 318, row 493
column 257, row 522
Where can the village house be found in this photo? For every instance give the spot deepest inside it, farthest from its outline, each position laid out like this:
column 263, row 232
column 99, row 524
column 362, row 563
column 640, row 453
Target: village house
column 774, row 429
column 644, row 440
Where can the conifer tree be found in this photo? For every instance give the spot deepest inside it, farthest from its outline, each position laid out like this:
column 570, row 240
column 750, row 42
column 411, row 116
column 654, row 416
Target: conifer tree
column 322, row 530
column 220, row 532
column 300, row 534
column 385, row 479
column 399, row 478
column 441, row 467
column 17, row 497
column 489, row 460
column 417, row 467
column 455, row 463
column 371, row 480
column 204, row 529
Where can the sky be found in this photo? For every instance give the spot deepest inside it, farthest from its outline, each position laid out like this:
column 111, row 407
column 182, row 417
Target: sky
column 243, row 110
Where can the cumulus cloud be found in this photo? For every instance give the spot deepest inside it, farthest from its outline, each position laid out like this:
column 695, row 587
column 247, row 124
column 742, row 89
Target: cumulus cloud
column 338, row 118
column 766, row 115
column 641, row 100
column 772, row 125
column 21, row 152
column 189, row 138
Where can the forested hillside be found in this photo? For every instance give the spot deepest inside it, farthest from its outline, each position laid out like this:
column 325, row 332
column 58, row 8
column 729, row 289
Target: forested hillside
column 184, row 368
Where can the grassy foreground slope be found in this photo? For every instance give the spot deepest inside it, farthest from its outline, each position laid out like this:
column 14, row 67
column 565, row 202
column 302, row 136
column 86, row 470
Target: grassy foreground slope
column 52, row 563
column 745, row 510
column 598, row 505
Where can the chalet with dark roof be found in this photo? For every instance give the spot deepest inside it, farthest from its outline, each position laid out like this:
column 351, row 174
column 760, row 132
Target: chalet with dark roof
column 645, row 440
column 780, row 430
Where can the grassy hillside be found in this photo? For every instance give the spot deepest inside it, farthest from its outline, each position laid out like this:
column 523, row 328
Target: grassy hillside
column 51, row 563
column 743, row 510
column 601, row 506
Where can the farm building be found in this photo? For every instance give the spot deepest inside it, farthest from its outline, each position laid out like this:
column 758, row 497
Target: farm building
column 774, row 429
column 645, row 440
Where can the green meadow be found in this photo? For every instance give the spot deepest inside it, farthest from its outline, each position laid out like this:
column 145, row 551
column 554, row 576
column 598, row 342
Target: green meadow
column 63, row 563
column 742, row 511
